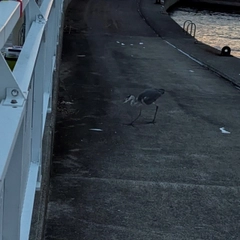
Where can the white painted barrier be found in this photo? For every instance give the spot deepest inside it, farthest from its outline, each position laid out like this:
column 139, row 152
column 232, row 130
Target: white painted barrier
column 25, row 100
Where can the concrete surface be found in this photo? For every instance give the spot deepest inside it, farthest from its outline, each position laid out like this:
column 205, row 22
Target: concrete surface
column 168, row 4
column 176, row 179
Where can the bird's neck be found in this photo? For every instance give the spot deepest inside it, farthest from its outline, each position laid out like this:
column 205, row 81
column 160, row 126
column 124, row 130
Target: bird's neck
column 133, row 101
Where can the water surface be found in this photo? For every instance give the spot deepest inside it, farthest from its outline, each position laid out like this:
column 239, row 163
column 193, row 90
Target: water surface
column 213, row 28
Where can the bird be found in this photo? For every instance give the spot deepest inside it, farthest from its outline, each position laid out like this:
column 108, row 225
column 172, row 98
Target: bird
column 147, row 97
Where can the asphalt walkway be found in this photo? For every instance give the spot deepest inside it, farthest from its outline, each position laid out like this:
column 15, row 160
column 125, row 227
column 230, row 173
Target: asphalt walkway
column 175, row 179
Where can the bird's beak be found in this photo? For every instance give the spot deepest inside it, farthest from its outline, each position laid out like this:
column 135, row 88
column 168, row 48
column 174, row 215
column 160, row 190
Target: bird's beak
column 125, row 101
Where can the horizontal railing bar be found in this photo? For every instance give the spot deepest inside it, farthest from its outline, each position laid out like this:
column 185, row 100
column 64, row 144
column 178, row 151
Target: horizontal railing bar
column 9, row 15
column 22, row 125
column 46, row 7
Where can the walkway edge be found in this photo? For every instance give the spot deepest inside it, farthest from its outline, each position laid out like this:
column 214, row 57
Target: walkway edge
column 207, row 66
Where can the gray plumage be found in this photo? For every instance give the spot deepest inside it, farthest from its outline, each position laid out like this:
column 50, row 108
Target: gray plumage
column 150, row 96
column 147, row 97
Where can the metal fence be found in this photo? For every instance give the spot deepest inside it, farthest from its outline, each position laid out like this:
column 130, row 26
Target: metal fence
column 25, row 101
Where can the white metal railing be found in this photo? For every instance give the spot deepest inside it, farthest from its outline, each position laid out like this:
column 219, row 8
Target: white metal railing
column 25, row 100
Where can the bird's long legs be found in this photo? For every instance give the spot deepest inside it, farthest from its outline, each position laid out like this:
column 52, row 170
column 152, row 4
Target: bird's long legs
column 155, row 114
column 153, row 121
column 131, row 123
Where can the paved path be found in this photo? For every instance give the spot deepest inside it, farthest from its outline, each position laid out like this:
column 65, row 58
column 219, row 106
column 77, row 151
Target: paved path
column 177, row 179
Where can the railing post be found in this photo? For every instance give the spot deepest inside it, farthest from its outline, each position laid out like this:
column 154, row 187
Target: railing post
column 25, row 100
column 12, row 193
column 50, row 45
column 37, row 109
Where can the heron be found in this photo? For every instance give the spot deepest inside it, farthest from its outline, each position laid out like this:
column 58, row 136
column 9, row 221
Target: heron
column 147, row 97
